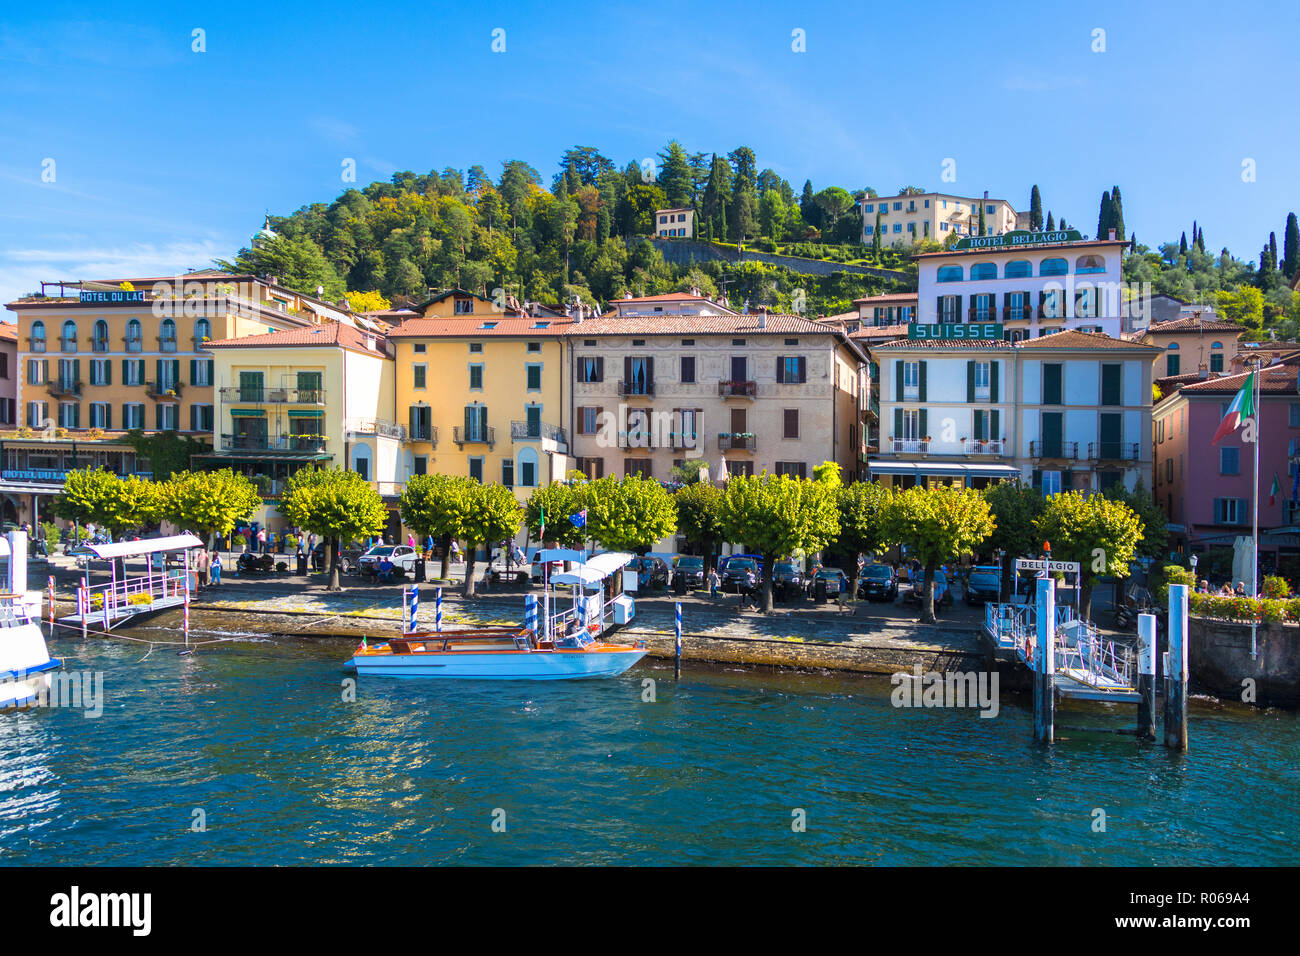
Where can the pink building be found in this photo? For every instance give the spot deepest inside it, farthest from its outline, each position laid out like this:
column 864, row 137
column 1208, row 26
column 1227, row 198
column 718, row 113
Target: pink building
column 8, row 374
column 1206, row 490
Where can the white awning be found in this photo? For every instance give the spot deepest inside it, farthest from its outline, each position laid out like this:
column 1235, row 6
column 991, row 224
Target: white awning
column 130, row 549
column 584, row 576
column 606, row 564
column 946, row 469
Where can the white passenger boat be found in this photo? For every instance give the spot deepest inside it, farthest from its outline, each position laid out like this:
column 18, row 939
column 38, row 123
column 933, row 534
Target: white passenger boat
column 25, row 662
column 564, row 644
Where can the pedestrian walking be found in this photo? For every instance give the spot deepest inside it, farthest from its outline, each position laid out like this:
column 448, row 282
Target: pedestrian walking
column 715, row 582
column 751, row 587
column 261, row 540
column 203, row 563
column 215, row 568
column 410, row 541
column 455, row 551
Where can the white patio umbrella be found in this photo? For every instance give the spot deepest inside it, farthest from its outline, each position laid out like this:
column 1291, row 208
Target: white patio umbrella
column 722, row 470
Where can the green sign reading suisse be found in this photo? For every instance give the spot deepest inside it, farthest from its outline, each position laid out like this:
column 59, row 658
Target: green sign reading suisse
column 1021, row 238
column 983, row 331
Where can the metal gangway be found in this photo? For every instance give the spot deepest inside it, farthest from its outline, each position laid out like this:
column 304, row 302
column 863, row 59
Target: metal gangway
column 125, row 596
column 1087, row 664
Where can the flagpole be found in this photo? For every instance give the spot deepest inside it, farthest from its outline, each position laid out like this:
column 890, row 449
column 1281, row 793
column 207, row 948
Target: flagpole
column 1254, row 571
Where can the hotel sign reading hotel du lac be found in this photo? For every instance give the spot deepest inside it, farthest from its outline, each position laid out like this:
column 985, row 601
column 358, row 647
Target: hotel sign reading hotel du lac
column 113, row 295
column 1011, row 240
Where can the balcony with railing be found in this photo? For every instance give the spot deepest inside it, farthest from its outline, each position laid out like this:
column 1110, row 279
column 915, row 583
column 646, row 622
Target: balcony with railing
column 99, row 343
column 1114, row 451
column 637, row 438
column 163, row 390
column 253, row 395
column 286, row 443
column 386, row 429
column 988, row 448
column 738, row 389
column 909, row 446
column 68, row 344
column 473, row 436
column 134, row 343
column 64, row 387
column 537, row 431
column 166, row 343
column 635, row 388
column 683, row 440
column 1067, row 450
column 737, row 441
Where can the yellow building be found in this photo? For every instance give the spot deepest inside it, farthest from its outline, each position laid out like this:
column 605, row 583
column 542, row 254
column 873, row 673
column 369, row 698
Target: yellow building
column 485, row 396
column 906, row 219
column 321, row 395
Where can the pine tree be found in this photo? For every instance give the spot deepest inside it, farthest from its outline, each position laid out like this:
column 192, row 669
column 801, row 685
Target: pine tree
column 1200, row 240
column 1116, row 213
column 1035, row 208
column 806, row 200
column 675, row 179
column 1291, row 247
column 1272, row 251
column 1104, row 215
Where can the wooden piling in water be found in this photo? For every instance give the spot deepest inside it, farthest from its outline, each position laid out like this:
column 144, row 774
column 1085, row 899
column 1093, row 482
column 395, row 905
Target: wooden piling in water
column 1176, row 670
column 1146, row 681
column 1045, row 662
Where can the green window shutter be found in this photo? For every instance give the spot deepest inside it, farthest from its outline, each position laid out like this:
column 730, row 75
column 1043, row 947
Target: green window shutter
column 126, row 370
column 898, row 380
column 76, row 370
column 108, row 372
column 158, row 367
column 970, row 382
column 979, row 418
column 923, row 420
column 1067, row 479
column 176, row 371
column 482, row 421
column 469, row 421
column 938, row 310
column 1110, row 384
column 1038, row 480
column 194, row 368
column 898, row 423
column 209, row 372
column 993, row 380
column 995, row 426
column 140, row 370
column 921, row 395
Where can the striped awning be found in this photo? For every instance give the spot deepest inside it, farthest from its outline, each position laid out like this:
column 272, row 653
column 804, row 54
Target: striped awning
column 945, row 469
column 248, row 413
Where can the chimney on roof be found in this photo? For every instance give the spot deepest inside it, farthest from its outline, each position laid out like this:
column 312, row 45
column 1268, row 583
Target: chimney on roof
column 1112, row 234
column 986, row 194
column 762, row 320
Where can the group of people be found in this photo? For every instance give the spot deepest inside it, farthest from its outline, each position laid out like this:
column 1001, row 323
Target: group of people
column 1227, row 590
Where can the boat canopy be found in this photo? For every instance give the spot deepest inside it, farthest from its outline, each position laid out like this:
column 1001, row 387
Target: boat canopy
column 597, row 568
column 546, row 555
column 131, row 549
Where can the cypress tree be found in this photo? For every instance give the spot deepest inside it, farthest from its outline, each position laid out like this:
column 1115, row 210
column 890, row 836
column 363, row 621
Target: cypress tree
column 1104, row 215
column 1116, row 213
column 1050, row 227
column 806, row 199
column 1200, row 241
column 1035, row 208
column 1182, row 245
column 875, row 239
column 1272, row 251
column 1291, row 247
column 982, row 231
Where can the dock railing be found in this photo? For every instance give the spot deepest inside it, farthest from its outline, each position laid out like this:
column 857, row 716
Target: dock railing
column 118, row 594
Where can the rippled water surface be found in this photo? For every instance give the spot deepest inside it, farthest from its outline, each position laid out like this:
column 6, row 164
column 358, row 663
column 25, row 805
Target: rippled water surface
column 258, row 737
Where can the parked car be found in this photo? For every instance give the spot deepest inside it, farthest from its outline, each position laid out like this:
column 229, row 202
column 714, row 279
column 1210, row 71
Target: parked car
column 402, row 557
column 650, row 572
column 691, row 568
column 756, row 558
column 942, row 592
column 878, row 582
column 837, row 582
column 787, row 580
column 733, row 575
column 983, row 585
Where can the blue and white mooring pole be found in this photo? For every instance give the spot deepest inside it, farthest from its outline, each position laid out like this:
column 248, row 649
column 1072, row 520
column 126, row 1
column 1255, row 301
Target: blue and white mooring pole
column 530, row 615
column 412, row 608
column 437, row 610
column 677, row 631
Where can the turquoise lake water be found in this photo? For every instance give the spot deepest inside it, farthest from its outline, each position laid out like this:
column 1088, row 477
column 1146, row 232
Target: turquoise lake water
column 257, row 736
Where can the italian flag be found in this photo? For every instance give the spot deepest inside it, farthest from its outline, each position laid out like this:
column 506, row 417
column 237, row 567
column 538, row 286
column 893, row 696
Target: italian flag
column 1274, row 491
column 1243, row 406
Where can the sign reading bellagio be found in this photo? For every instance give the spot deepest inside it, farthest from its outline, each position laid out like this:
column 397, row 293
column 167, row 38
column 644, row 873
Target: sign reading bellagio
column 113, row 295
column 981, row 331
column 1022, row 237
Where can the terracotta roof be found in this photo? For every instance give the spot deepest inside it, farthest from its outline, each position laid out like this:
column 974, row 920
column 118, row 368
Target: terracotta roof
column 702, row 325
column 1276, row 378
column 963, row 344
column 886, row 299
column 327, row 333
column 1074, row 339
column 471, row 327
column 879, row 331
column 1192, row 324
column 8, row 332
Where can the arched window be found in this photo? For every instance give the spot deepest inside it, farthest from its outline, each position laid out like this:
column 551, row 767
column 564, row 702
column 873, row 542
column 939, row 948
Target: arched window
column 134, row 336
column 69, row 336
column 100, row 339
column 984, row 270
column 202, row 329
column 38, row 336
column 1018, row 269
column 1217, row 345
column 1173, row 346
column 949, row 274
column 1053, row 267
column 1086, row 264
column 167, row 336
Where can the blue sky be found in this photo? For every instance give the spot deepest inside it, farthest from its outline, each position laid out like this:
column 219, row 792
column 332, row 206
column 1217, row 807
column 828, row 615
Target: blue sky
column 165, row 158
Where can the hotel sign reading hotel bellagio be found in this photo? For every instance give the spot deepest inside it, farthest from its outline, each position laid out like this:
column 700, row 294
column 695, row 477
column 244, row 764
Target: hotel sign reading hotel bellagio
column 1011, row 240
